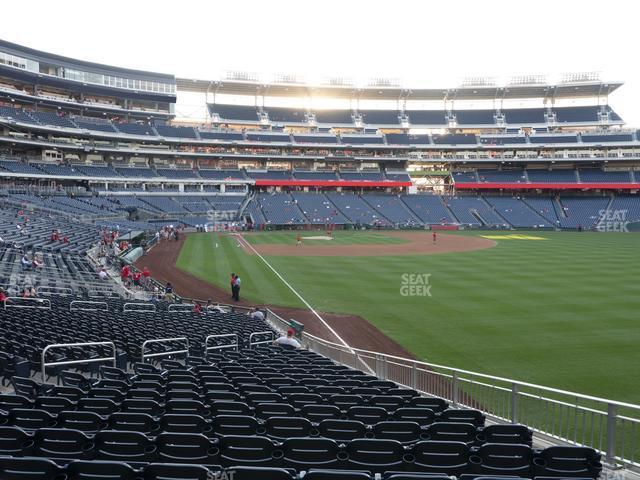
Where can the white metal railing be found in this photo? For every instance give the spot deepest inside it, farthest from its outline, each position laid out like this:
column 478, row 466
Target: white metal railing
column 88, row 306
column 102, row 293
column 45, row 364
column 269, row 334
column 28, row 302
column 276, row 321
column 144, row 356
column 606, row 425
column 223, row 346
column 139, row 307
column 180, row 307
column 62, row 291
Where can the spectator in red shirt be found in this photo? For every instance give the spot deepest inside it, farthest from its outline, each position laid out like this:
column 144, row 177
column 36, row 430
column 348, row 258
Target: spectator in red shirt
column 65, row 239
column 55, row 236
column 4, row 298
column 124, row 274
column 146, row 274
column 197, row 308
column 136, row 278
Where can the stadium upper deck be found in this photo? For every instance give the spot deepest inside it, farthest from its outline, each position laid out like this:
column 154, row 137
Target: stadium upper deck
column 80, row 114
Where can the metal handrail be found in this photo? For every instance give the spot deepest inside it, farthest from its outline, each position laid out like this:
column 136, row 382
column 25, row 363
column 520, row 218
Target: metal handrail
column 260, row 342
column 276, row 321
column 42, row 303
column 101, row 293
column 221, row 347
column 502, row 399
column 163, row 354
column 45, row 290
column 73, row 306
column 189, row 307
column 44, row 364
column 483, row 375
column 217, row 304
column 151, row 308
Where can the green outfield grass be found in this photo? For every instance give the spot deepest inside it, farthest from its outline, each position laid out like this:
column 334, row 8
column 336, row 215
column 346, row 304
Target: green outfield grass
column 562, row 312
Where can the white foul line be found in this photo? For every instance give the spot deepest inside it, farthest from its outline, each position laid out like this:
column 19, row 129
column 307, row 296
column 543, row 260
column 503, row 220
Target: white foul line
column 247, row 244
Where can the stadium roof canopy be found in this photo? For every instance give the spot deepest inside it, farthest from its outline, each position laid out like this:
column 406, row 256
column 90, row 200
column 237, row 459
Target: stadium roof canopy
column 575, row 87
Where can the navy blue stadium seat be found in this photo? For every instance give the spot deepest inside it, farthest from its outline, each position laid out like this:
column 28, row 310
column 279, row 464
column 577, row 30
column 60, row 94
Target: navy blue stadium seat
column 452, row 431
column 53, row 405
column 100, row 470
column 376, row 455
column 558, row 461
column 234, row 425
column 15, row 442
column 281, row 428
column 505, row 434
column 321, row 474
column 403, row 432
column 474, row 417
column 249, row 451
column 317, row 413
column 87, row 422
column 367, row 415
column 342, row 430
column 502, row 459
column 30, row 418
column 124, row 446
column 134, row 422
column 422, row 416
column 451, row 458
column 178, row 471
column 30, row 468
column 254, row 473
column 9, row 401
column 302, row 453
column 186, row 448
column 184, row 423
column 63, row 443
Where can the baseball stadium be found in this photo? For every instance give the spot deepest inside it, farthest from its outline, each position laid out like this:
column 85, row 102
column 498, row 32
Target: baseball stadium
column 275, row 277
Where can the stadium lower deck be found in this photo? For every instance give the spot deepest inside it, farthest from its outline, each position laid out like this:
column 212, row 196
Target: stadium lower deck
column 253, row 411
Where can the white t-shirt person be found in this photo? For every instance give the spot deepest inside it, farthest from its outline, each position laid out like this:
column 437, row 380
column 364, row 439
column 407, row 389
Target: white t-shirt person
column 288, row 340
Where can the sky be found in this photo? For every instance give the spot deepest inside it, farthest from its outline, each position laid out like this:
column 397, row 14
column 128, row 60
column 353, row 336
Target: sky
column 420, row 43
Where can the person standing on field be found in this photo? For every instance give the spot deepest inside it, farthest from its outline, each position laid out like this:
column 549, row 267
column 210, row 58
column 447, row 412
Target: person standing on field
column 298, row 240
column 435, row 237
column 236, row 288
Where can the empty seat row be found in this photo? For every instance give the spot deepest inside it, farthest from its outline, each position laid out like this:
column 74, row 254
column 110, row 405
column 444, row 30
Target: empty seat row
column 146, row 416
column 34, row 468
column 373, row 455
